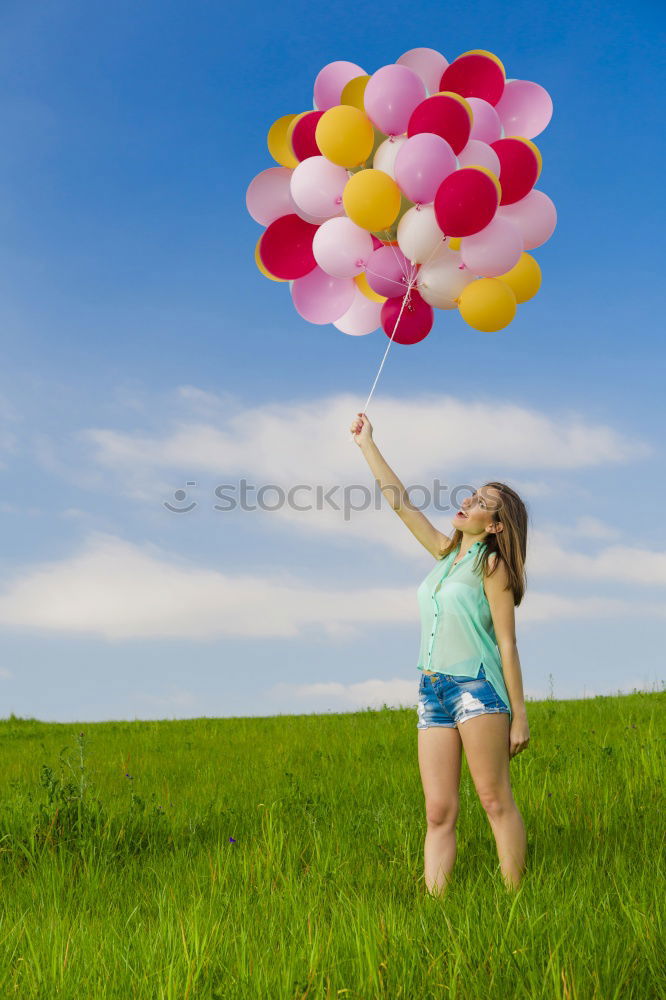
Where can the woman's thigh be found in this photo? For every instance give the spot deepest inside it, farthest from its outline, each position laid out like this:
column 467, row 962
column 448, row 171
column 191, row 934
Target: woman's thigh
column 440, row 756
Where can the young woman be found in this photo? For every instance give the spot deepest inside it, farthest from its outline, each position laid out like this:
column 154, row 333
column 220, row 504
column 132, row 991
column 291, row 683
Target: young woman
column 471, row 689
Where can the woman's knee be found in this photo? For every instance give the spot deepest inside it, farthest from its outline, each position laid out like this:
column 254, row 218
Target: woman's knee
column 442, row 814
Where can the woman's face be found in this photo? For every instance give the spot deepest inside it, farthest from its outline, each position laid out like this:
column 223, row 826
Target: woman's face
column 477, row 513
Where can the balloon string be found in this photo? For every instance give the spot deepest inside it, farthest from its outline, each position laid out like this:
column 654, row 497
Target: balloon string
column 402, row 309
column 395, row 254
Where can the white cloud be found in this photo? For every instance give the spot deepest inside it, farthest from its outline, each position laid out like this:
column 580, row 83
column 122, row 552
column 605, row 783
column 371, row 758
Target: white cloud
column 119, row 591
column 538, row 607
column 305, row 441
column 628, row 563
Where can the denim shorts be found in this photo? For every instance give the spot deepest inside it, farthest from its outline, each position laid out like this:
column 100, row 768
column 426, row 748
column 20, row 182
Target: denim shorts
column 445, row 700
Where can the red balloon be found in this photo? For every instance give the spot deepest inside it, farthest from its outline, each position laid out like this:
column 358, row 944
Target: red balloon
column 416, row 320
column 466, row 202
column 444, row 116
column 474, row 75
column 519, row 169
column 303, row 136
column 286, row 247
column 376, row 243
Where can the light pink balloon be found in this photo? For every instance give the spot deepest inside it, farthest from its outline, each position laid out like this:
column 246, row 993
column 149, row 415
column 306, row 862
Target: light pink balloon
column 342, row 248
column 535, row 215
column 422, row 164
column 477, row 154
column 388, row 271
column 331, row 81
column 494, row 250
column 486, row 125
column 316, row 220
column 428, row 63
column 525, row 108
column 317, row 186
column 321, row 298
column 362, row 317
column 390, row 97
column 268, row 196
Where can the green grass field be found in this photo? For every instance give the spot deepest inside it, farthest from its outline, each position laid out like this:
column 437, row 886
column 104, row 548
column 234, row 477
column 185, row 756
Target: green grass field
column 281, row 858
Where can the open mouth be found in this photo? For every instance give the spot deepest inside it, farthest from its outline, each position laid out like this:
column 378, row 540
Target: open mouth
column 461, row 513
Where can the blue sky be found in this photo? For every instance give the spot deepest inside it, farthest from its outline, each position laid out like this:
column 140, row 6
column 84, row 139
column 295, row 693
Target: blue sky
column 143, row 350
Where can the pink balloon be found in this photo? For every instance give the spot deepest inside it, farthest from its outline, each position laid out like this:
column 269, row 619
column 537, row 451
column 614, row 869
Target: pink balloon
column 525, row 108
column 331, row 81
column 268, row 197
column 478, row 154
column 388, row 271
column 317, row 186
column 321, row 298
column 390, row 97
column 494, row 250
column 422, row 164
column 535, row 215
column 362, row 317
column 486, row 126
column 428, row 63
column 316, row 220
column 342, row 248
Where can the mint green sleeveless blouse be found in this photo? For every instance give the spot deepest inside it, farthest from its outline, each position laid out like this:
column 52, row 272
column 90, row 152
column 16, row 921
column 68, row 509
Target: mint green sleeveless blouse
column 457, row 631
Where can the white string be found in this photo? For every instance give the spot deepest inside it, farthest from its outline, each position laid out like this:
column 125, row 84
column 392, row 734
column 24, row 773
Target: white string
column 402, row 309
column 411, row 281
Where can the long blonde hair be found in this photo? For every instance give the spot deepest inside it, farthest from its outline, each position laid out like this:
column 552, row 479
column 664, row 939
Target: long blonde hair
column 510, row 544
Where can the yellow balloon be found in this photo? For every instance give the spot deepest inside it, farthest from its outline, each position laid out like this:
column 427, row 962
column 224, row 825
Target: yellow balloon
column 524, row 278
column 352, row 92
column 290, row 129
column 260, row 264
column 345, row 135
column 484, row 52
column 371, row 199
column 494, row 178
column 363, row 285
column 379, row 139
column 453, row 242
column 390, row 234
column 487, row 304
column 279, row 145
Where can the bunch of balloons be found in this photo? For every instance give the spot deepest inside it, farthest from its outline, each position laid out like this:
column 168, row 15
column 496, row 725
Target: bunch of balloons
column 407, row 191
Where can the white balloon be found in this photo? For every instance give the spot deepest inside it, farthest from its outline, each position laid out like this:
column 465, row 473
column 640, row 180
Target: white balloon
column 384, row 158
column 441, row 281
column 419, row 236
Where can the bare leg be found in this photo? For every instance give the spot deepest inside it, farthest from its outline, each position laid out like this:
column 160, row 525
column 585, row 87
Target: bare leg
column 509, row 831
column 439, row 856
column 486, row 742
column 440, row 755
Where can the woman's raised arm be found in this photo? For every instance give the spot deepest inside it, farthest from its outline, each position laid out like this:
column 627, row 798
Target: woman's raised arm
column 394, row 491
